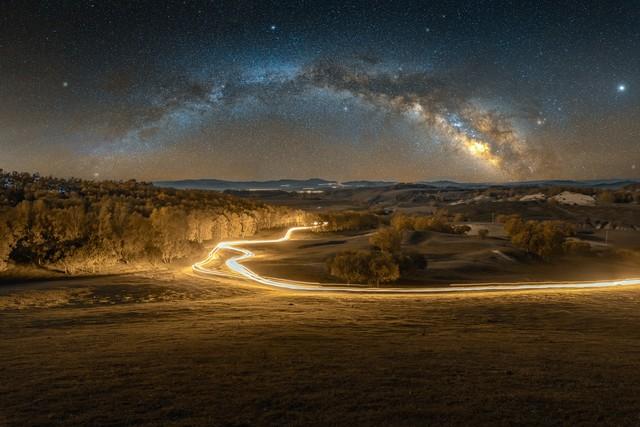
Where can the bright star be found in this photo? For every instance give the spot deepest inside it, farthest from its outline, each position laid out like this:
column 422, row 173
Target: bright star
column 65, row 84
column 273, row 27
column 622, row 87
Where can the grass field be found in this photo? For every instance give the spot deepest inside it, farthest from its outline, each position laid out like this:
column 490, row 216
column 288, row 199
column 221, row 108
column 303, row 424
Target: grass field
column 452, row 258
column 180, row 350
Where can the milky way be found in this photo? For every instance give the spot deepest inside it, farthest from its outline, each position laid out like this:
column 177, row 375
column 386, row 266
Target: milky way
column 340, row 90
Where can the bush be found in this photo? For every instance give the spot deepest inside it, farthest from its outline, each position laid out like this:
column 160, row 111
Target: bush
column 483, row 233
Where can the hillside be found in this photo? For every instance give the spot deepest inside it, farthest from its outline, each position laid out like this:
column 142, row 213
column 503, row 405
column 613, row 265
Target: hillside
column 85, row 226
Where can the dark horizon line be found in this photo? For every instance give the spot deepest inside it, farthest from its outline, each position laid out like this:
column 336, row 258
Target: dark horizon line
column 381, row 180
column 393, row 181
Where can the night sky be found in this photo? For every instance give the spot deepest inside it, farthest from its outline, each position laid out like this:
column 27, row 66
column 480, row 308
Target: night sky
column 401, row 90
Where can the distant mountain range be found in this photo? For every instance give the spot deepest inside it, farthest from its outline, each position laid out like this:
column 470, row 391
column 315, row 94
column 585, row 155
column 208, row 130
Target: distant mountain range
column 280, row 184
column 315, row 184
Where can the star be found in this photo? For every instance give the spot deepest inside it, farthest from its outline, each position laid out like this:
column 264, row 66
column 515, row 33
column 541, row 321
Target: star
column 273, row 27
column 622, row 87
column 65, row 84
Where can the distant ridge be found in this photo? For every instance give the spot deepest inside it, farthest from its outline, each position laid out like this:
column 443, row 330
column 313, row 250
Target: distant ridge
column 589, row 183
column 323, row 184
column 221, row 185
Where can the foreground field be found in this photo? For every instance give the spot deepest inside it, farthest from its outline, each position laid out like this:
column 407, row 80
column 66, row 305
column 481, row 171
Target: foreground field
column 181, row 350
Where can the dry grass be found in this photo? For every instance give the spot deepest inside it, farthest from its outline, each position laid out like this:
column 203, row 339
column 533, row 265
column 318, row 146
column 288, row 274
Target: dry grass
column 452, row 259
column 189, row 351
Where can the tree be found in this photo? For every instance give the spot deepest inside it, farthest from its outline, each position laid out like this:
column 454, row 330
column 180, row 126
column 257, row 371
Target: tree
column 170, row 225
column 542, row 238
column 341, row 221
column 364, row 267
column 85, row 225
column 7, row 241
column 382, row 268
column 402, row 222
column 139, row 238
column 351, row 266
column 387, row 239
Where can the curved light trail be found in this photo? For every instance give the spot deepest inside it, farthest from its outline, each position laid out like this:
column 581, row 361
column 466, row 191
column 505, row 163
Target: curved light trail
column 238, row 270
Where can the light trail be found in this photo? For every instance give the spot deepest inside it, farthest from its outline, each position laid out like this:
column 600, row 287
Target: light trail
column 239, row 270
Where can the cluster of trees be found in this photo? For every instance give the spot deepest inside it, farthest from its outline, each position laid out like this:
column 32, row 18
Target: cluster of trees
column 546, row 239
column 350, row 220
column 75, row 225
column 364, row 267
column 386, row 262
column 439, row 222
column 620, row 196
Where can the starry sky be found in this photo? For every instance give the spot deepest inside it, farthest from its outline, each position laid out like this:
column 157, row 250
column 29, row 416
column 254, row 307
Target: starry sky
column 399, row 90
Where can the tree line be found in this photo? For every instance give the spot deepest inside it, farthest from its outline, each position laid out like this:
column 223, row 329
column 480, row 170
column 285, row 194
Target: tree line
column 83, row 226
column 440, row 222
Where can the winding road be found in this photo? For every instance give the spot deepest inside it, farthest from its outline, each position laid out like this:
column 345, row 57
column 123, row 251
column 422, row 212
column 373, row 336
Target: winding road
column 236, row 269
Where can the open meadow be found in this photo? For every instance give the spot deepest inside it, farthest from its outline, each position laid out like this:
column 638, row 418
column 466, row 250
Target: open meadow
column 174, row 349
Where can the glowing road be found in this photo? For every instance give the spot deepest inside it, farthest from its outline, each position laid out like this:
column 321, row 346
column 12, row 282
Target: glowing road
column 236, row 269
